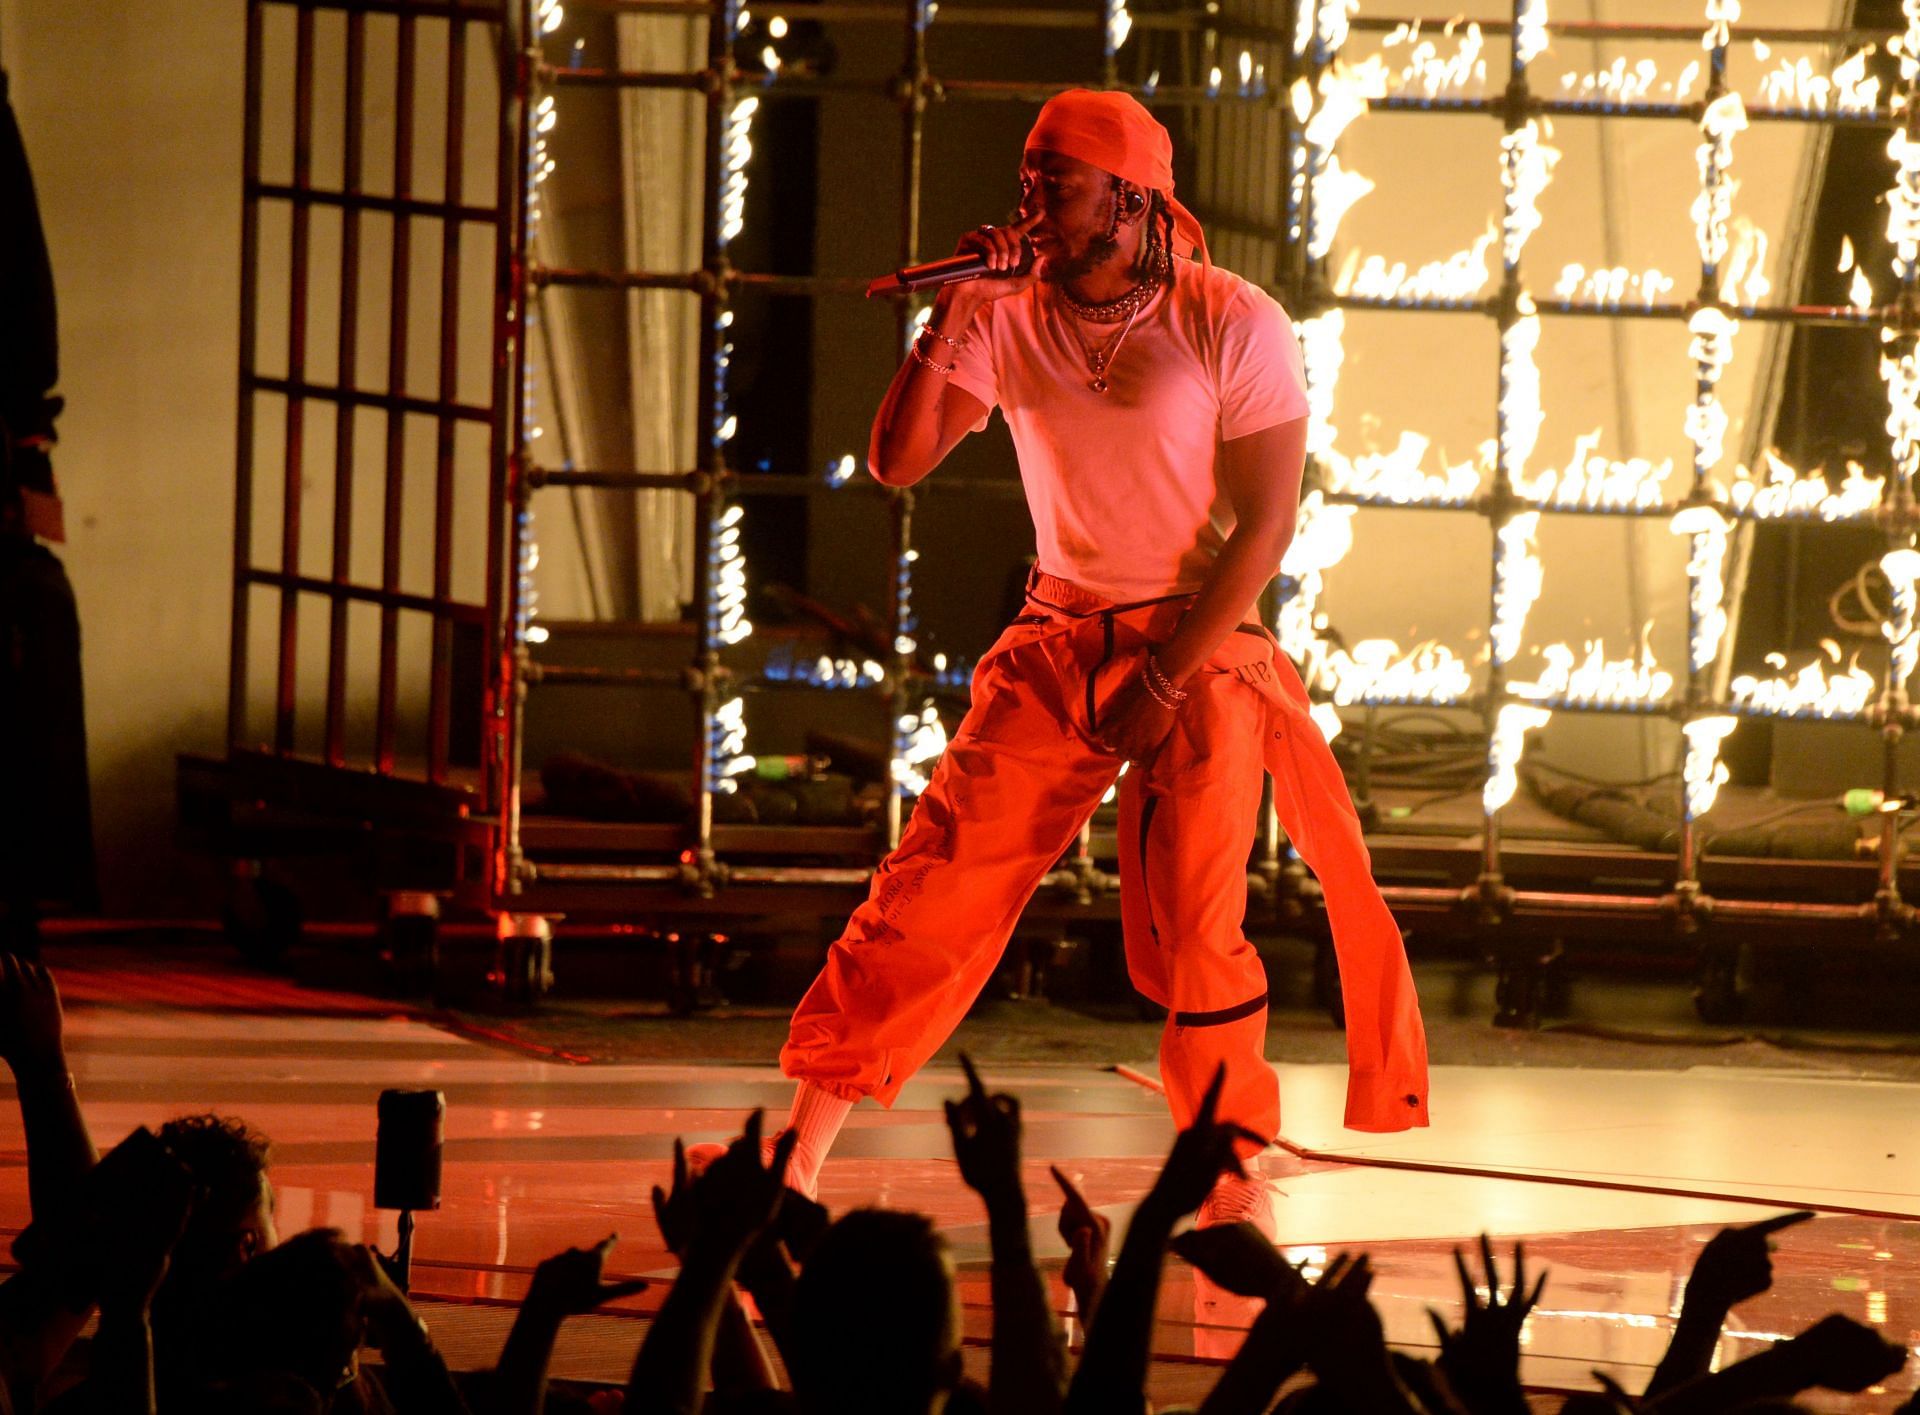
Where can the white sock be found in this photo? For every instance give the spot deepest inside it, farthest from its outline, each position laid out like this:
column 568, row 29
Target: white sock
column 815, row 1120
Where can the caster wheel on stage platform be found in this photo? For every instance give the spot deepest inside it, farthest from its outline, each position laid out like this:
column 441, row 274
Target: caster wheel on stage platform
column 1725, row 983
column 410, row 944
column 1326, row 983
column 523, row 959
column 262, row 918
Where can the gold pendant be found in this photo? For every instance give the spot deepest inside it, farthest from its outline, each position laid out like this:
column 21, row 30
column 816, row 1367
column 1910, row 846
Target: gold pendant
column 1098, row 385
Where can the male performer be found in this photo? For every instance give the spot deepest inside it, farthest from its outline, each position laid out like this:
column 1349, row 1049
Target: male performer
column 1158, row 408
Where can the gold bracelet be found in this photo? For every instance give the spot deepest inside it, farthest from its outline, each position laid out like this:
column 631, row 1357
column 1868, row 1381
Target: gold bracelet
column 928, row 363
column 954, row 344
column 1146, row 680
column 1158, row 673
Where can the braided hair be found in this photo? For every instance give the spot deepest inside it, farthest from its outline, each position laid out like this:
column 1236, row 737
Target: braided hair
column 1156, row 252
column 1156, row 249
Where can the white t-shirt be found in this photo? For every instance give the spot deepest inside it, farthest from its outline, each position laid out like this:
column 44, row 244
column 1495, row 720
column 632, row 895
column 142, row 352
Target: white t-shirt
column 1122, row 484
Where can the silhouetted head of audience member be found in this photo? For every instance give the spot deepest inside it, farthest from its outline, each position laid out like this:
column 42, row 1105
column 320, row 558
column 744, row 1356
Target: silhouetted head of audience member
column 876, row 1321
column 232, row 1218
column 270, row 1393
column 293, row 1311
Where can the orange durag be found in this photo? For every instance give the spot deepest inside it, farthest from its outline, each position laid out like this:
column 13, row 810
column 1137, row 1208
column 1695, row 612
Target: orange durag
column 1113, row 132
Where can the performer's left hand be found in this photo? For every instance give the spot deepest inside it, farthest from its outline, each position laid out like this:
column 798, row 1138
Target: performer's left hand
column 1134, row 724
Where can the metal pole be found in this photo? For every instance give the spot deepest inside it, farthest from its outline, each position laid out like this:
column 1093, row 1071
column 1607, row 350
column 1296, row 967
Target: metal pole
column 399, row 310
column 440, row 685
column 913, row 113
column 249, row 335
column 286, row 685
column 709, row 504
column 343, row 437
column 505, row 707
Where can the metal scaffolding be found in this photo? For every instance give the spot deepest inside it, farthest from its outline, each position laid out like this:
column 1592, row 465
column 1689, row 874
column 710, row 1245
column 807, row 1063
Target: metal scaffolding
column 702, row 861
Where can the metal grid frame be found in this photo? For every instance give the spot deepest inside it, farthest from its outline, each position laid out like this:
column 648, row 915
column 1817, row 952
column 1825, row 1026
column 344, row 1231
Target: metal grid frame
column 468, row 24
column 1686, row 903
column 1304, row 42
column 694, row 864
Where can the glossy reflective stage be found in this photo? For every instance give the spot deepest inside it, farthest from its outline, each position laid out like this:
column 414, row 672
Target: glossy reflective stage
column 543, row 1155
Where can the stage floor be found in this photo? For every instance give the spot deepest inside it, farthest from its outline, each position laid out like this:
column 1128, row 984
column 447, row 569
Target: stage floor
column 1613, row 1178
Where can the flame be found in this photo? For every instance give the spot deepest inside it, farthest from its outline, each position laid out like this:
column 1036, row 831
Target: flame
column 1614, row 84
column 1322, row 351
column 1902, row 568
column 1704, row 773
column 737, row 152
column 1722, row 16
column 1903, row 202
column 784, row 666
column 1711, row 350
column 1526, row 167
column 1743, row 279
column 1334, row 189
column 1808, row 693
column 1427, row 72
column 1396, row 478
column 1786, row 494
column 1509, row 740
column 1119, row 25
column 1377, row 671
column 1517, row 579
column 1529, row 30
column 1846, row 255
column 1461, row 276
column 1706, row 582
column 1330, row 23
column 730, row 590
column 1322, row 538
column 1596, row 679
column 1849, row 89
column 729, row 741
column 1902, row 375
column 1723, row 118
column 1612, row 286
column 1519, row 409
column 1595, row 483
column 1860, row 292
column 924, row 739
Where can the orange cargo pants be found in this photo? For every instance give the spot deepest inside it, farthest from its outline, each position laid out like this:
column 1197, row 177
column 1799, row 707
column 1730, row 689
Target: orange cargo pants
column 1020, row 777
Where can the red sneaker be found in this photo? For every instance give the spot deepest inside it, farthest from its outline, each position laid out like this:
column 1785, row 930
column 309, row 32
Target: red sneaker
column 801, row 1177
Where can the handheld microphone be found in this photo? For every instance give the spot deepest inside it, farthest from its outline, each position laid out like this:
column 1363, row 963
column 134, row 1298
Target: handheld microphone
column 953, row 269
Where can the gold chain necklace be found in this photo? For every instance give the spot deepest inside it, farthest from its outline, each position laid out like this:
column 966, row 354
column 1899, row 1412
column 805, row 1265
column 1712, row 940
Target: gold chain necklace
column 1100, row 360
column 1127, row 305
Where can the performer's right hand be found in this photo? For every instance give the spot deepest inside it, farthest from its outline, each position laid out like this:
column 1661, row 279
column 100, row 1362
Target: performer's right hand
column 1002, row 245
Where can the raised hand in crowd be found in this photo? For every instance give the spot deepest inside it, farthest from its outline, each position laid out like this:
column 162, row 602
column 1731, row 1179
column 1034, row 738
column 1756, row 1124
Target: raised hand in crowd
column 714, row 1219
column 1481, row 1361
column 569, row 1284
column 1836, row 1353
column 32, row 1042
column 1113, row 1368
column 1736, row 1264
column 1346, row 1345
column 415, row 1375
column 1241, row 1260
column 1086, row 1232
column 739, row 1360
column 1029, row 1358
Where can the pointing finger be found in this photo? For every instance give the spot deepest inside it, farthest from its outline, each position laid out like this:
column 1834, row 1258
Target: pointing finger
column 974, row 1088
column 1210, row 1102
column 1767, row 1226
